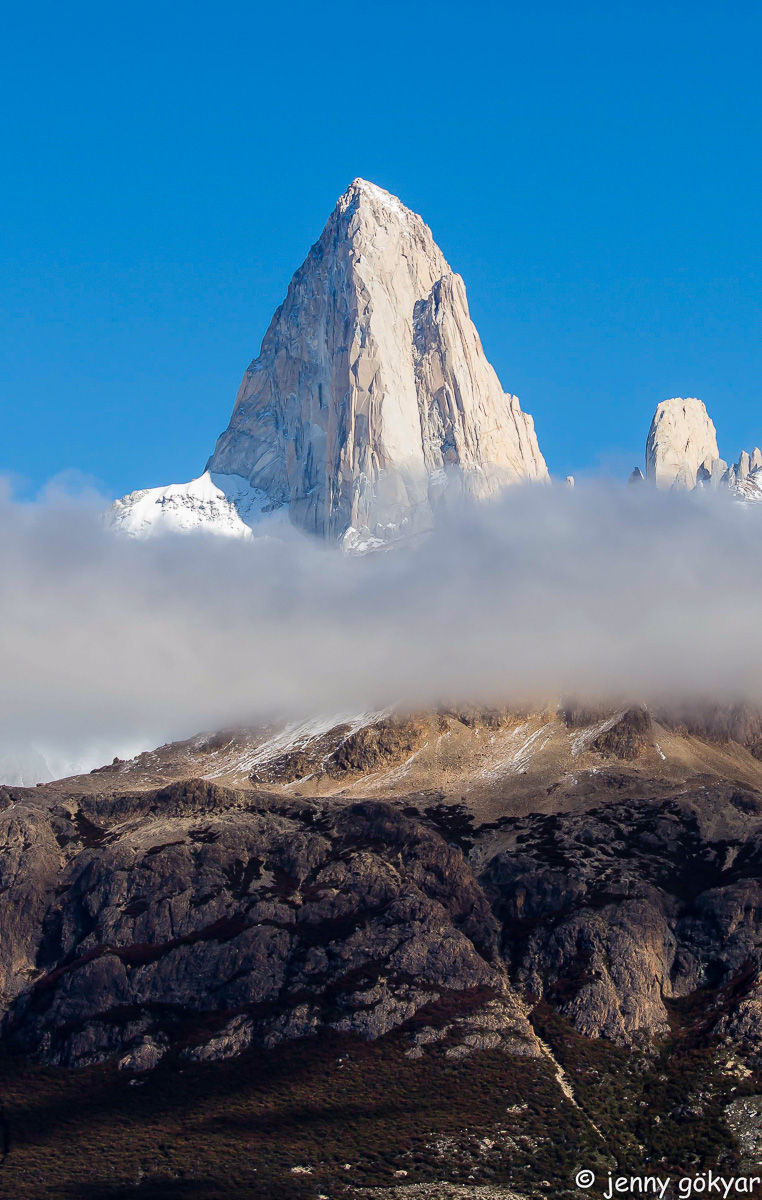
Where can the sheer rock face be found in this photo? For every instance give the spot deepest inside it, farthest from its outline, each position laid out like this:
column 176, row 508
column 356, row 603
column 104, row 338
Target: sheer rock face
column 682, row 444
column 372, row 396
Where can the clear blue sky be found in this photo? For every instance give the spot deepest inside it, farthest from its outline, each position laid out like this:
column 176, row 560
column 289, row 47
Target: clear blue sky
column 593, row 171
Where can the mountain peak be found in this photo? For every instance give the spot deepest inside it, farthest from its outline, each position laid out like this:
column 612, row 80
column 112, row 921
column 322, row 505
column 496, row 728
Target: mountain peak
column 362, row 190
column 682, row 443
column 371, row 397
column 371, row 400
column 681, row 452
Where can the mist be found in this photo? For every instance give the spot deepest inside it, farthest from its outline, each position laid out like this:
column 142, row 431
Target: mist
column 109, row 645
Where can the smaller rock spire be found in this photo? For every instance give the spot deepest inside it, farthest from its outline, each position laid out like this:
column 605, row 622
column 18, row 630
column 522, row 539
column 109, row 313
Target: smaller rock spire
column 682, row 442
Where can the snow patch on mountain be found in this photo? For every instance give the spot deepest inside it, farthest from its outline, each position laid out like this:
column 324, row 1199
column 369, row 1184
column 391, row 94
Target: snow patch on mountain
column 222, row 504
column 749, row 487
column 296, row 735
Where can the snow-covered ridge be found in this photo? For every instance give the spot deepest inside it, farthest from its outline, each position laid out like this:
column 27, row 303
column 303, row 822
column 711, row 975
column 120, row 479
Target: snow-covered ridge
column 749, row 487
column 222, row 504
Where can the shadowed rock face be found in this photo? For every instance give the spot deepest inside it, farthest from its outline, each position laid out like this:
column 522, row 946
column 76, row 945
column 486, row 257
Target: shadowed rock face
column 386, row 742
column 609, row 914
column 188, row 917
column 205, row 920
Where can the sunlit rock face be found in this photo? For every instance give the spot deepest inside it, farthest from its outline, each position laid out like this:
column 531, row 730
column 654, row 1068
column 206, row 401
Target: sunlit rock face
column 681, row 452
column 372, row 398
column 682, row 444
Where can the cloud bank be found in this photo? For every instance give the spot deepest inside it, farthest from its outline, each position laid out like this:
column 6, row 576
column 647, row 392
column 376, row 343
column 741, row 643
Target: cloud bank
column 600, row 591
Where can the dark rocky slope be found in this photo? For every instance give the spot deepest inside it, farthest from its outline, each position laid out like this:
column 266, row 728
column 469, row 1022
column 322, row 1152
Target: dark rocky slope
column 154, row 935
column 210, row 919
column 612, row 914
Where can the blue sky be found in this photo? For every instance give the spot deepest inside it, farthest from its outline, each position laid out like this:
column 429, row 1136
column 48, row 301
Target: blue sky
column 593, row 171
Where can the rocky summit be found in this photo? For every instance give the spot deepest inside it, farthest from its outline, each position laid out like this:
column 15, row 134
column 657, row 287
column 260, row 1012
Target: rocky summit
column 682, row 453
column 372, row 395
column 371, row 401
column 371, row 404
column 681, row 442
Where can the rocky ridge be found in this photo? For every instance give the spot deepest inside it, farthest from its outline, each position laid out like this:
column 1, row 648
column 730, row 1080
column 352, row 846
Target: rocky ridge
column 202, row 919
column 497, row 760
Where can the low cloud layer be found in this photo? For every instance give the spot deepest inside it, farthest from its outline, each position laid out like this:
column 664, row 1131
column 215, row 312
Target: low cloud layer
column 107, row 643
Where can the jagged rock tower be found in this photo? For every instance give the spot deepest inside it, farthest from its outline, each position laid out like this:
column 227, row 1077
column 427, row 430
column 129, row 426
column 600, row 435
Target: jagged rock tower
column 681, row 445
column 681, row 452
column 372, row 398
